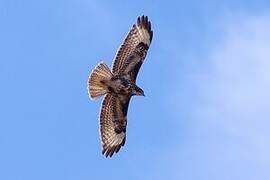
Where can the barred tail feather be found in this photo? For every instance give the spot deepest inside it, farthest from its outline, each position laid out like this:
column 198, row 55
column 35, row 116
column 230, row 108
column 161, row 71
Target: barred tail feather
column 96, row 86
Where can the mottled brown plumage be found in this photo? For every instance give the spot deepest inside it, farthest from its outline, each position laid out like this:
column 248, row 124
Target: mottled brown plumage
column 120, row 85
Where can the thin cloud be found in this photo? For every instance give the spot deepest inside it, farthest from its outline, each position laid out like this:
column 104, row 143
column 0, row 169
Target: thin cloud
column 235, row 91
column 227, row 113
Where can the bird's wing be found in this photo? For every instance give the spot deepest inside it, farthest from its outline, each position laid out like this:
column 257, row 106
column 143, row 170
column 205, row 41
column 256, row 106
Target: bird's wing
column 113, row 122
column 140, row 33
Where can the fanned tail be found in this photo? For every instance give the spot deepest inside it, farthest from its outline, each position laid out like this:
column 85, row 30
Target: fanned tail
column 99, row 75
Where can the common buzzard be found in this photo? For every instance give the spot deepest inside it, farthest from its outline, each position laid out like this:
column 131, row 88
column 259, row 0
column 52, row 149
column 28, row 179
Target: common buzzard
column 119, row 85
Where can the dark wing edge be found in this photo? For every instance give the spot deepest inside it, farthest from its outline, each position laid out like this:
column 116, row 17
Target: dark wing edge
column 140, row 32
column 113, row 122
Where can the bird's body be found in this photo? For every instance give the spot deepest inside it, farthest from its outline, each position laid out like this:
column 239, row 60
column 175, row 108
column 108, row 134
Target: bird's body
column 122, row 85
column 119, row 85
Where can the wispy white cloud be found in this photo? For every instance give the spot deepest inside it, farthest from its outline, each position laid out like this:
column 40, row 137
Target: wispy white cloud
column 227, row 134
column 234, row 93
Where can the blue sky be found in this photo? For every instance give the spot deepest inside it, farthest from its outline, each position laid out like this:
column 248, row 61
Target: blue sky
column 206, row 79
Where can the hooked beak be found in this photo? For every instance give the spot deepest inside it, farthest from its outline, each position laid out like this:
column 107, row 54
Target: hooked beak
column 140, row 94
column 138, row 91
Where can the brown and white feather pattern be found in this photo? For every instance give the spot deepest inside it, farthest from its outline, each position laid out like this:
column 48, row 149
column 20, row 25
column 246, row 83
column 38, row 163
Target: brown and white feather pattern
column 128, row 60
column 113, row 122
column 95, row 87
column 140, row 32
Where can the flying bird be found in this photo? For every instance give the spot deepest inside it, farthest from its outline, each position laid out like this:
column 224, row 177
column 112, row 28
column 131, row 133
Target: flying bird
column 119, row 85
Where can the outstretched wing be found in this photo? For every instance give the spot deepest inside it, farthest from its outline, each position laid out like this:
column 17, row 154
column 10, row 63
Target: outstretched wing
column 113, row 122
column 140, row 33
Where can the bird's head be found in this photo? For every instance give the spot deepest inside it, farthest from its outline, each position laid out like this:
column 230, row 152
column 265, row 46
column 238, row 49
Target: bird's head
column 138, row 91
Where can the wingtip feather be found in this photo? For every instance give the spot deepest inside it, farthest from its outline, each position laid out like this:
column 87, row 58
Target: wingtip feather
column 144, row 22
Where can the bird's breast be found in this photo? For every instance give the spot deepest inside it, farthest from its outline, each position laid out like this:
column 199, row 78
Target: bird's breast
column 120, row 85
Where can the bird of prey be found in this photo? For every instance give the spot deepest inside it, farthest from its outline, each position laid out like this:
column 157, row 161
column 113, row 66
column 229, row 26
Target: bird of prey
column 119, row 85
